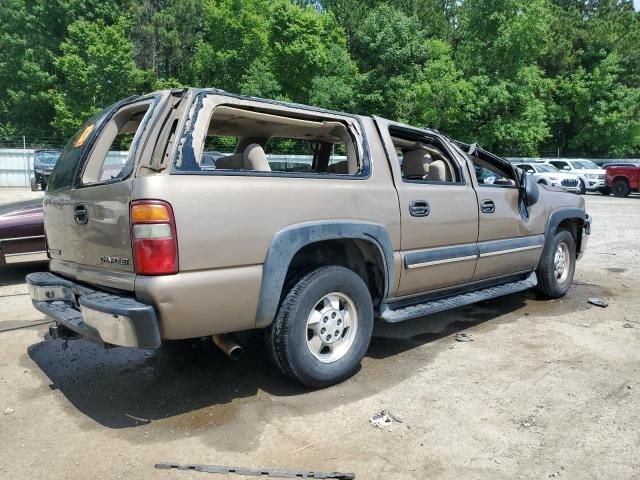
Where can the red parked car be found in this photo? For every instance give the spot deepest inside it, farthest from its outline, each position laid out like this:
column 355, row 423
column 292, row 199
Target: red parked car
column 623, row 179
column 22, row 232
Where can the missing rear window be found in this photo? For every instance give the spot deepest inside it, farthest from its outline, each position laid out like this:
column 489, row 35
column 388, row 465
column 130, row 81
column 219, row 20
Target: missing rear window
column 239, row 140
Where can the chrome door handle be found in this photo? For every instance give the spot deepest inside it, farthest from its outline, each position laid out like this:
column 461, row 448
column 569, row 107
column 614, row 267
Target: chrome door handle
column 419, row 208
column 487, row 206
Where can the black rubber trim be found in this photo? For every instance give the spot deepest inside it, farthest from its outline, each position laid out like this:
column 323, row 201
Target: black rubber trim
column 286, row 243
column 492, row 246
column 186, row 135
column 436, row 254
column 561, row 214
column 467, row 250
column 566, row 213
column 143, row 316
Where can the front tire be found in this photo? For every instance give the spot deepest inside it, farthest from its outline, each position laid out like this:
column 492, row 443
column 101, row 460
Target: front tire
column 557, row 265
column 323, row 327
column 34, row 185
column 620, row 188
column 582, row 189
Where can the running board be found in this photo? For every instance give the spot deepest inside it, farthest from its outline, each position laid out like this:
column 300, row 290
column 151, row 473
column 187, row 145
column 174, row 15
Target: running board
column 406, row 313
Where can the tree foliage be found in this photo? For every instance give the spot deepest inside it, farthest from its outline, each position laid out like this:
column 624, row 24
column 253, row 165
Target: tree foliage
column 517, row 76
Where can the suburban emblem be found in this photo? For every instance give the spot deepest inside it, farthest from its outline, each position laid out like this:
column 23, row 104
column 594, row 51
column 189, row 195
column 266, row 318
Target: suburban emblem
column 114, row 260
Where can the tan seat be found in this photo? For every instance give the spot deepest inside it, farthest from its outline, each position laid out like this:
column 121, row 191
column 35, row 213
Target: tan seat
column 230, row 162
column 340, row 168
column 416, row 164
column 253, row 158
column 438, row 171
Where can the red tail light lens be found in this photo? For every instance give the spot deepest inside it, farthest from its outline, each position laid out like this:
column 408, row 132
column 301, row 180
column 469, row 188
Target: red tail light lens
column 153, row 238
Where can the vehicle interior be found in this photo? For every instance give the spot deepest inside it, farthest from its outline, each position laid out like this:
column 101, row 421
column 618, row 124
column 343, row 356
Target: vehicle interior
column 247, row 140
column 423, row 158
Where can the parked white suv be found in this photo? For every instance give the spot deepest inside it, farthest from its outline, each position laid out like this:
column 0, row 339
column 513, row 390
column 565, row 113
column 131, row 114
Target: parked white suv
column 549, row 175
column 591, row 176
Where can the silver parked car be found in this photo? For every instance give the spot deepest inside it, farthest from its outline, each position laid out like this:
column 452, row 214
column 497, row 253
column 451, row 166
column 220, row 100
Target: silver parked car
column 591, row 176
column 547, row 174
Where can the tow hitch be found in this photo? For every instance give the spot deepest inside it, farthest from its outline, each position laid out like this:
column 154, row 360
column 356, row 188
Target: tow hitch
column 61, row 332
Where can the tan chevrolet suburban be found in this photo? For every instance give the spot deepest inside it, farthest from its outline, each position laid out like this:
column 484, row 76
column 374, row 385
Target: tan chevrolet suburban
column 234, row 213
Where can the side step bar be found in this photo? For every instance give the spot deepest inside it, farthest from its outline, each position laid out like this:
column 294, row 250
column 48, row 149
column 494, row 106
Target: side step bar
column 414, row 311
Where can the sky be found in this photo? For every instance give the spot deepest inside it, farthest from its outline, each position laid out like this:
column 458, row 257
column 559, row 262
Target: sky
column 636, row 3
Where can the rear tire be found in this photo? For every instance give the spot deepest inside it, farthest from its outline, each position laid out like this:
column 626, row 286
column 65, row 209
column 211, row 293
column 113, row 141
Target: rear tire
column 557, row 265
column 323, row 327
column 620, row 188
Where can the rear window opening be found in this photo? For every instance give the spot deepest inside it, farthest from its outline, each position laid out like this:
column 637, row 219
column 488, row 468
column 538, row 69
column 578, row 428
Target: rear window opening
column 238, row 140
column 110, row 159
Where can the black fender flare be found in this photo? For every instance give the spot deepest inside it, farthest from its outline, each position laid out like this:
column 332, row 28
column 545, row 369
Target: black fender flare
column 287, row 242
column 559, row 215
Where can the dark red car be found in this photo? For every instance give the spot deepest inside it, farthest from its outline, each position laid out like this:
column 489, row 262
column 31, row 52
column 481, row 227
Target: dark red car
column 22, row 232
column 623, row 179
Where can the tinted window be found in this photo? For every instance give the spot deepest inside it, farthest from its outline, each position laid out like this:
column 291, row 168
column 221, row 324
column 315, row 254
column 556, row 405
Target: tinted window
column 527, row 168
column 584, row 165
column 46, row 158
column 64, row 172
column 559, row 165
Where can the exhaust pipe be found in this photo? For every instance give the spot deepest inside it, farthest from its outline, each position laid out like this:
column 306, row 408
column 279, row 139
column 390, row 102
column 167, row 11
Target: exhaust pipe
column 228, row 346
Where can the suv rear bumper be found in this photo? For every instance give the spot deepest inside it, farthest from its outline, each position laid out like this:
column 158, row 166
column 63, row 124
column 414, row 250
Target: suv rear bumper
column 97, row 316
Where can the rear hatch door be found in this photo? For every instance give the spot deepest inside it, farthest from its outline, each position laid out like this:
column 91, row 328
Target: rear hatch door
column 87, row 200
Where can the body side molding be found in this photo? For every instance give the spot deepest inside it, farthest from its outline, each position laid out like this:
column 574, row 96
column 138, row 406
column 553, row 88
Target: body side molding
column 470, row 251
column 287, row 242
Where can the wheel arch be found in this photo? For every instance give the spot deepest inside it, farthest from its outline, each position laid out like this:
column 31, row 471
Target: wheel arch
column 348, row 243
column 571, row 218
column 618, row 178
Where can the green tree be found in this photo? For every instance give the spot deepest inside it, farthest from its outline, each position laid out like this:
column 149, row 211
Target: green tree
column 407, row 77
column 96, row 69
column 165, row 33
column 274, row 49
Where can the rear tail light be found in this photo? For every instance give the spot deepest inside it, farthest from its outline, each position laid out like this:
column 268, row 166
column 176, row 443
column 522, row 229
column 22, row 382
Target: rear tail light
column 153, row 237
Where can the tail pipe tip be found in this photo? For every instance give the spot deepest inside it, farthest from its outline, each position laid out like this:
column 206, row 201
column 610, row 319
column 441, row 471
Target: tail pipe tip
column 229, row 346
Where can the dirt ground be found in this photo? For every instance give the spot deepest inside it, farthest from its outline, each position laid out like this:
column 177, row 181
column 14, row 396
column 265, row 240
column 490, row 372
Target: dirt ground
column 546, row 389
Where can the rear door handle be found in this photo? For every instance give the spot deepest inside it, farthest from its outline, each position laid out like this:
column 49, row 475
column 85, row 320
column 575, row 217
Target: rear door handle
column 419, row 208
column 80, row 213
column 487, row 206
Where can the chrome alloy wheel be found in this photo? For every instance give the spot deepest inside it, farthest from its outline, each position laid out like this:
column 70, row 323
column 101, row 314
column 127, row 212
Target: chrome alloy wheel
column 331, row 327
column 561, row 263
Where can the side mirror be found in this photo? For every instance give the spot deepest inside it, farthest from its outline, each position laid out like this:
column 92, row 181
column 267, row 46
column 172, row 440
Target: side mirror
column 531, row 190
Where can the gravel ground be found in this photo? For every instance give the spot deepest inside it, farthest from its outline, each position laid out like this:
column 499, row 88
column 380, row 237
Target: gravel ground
column 546, row 389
